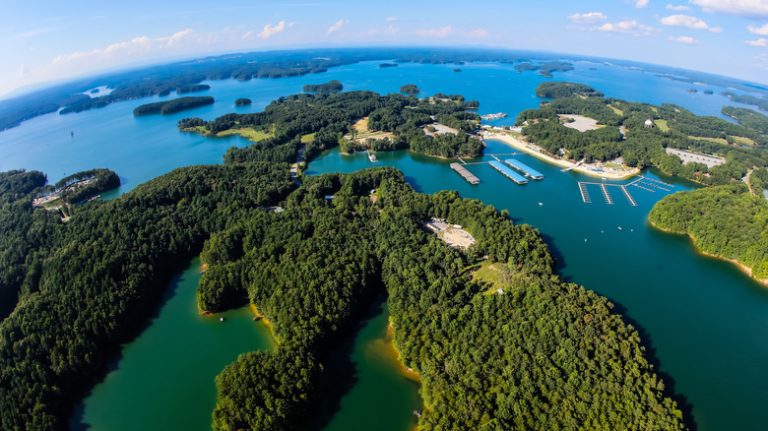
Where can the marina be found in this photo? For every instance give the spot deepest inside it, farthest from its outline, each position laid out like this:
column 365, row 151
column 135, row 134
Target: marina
column 509, row 173
column 525, row 169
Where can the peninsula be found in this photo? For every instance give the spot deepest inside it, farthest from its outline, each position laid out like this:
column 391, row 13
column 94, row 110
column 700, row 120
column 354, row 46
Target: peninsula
column 439, row 126
column 581, row 130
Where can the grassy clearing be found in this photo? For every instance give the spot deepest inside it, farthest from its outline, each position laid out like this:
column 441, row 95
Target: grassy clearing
column 616, row 110
column 663, row 125
column 742, row 140
column 715, row 140
column 361, row 126
column 494, row 273
column 250, row 134
column 308, row 138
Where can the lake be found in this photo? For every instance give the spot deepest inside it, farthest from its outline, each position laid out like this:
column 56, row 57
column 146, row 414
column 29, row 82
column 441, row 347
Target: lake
column 704, row 320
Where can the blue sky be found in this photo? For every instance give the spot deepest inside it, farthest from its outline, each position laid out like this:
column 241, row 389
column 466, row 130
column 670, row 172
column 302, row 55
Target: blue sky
column 46, row 40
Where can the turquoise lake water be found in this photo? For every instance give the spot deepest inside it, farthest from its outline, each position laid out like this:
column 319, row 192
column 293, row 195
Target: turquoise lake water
column 705, row 321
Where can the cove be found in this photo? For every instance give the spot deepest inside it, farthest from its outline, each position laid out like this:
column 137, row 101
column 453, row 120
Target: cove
column 165, row 378
column 382, row 398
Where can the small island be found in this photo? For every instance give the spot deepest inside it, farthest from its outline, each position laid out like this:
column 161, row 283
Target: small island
column 410, row 89
column 173, row 106
column 330, row 87
column 243, row 101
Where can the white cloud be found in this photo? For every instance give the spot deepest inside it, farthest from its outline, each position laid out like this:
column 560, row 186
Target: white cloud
column 628, row 27
column 391, row 18
column 271, row 30
column 749, row 8
column 688, row 21
column 338, row 25
column 677, row 7
column 479, row 33
column 686, row 40
column 587, row 18
column 762, row 31
column 759, row 42
column 436, row 32
column 137, row 46
column 641, row 3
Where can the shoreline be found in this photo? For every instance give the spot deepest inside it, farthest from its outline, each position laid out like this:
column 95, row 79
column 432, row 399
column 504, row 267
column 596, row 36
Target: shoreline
column 737, row 263
column 522, row 146
column 406, row 371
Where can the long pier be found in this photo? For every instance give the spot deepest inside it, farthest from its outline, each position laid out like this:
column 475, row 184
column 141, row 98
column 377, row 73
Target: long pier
column 607, row 195
column 507, row 172
column 629, row 196
column 584, row 193
column 468, row 176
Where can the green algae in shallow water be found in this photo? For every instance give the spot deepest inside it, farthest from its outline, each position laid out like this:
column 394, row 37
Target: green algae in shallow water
column 165, row 377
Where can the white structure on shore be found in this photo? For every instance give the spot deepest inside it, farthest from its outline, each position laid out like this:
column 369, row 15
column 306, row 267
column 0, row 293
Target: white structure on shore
column 689, row 157
column 649, row 124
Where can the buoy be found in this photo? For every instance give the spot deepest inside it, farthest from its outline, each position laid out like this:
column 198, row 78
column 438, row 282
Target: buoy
column 541, row 204
column 585, row 240
column 221, row 319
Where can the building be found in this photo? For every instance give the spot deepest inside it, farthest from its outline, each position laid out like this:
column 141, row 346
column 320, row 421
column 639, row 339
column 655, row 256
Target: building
column 649, row 124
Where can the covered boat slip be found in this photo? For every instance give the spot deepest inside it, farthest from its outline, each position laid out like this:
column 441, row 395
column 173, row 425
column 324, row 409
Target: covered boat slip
column 525, row 169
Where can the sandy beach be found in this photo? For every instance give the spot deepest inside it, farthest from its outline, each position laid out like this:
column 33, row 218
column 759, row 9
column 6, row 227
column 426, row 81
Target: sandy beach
column 582, row 168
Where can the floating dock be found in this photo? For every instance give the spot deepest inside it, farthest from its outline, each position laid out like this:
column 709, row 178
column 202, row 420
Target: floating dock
column 629, row 196
column 525, row 169
column 507, row 172
column 469, row 176
column 584, row 193
column 606, row 195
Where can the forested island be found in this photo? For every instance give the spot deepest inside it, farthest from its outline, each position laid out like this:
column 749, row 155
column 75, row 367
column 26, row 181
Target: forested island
column 641, row 135
column 329, row 87
column 533, row 353
column 243, row 101
column 355, row 121
column 729, row 222
column 173, row 106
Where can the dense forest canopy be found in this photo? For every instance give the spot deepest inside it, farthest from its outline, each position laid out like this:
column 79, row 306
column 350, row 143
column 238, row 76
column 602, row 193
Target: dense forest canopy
column 554, row 90
column 748, row 118
column 725, row 221
column 624, row 133
column 329, row 87
column 329, row 119
column 312, row 269
column 90, row 283
column 173, row 106
column 543, row 355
